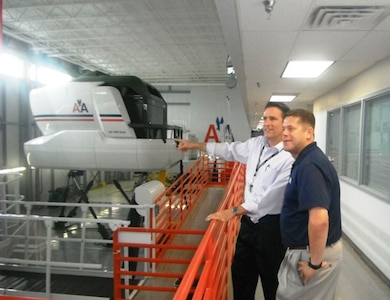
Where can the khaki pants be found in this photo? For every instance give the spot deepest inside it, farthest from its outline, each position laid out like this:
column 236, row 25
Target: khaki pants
column 321, row 287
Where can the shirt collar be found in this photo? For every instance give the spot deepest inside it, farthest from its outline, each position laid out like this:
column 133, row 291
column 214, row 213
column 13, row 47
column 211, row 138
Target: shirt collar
column 305, row 151
column 278, row 147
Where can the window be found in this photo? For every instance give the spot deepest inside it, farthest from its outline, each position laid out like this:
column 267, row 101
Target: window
column 333, row 144
column 358, row 142
column 376, row 154
column 51, row 76
column 351, row 136
column 11, row 65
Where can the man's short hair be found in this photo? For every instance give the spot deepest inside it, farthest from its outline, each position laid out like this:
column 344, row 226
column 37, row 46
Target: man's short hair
column 305, row 116
column 282, row 106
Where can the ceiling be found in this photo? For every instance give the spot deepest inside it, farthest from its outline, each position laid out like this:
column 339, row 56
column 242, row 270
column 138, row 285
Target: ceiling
column 186, row 42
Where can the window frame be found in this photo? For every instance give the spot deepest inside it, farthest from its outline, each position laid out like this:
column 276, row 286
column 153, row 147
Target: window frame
column 359, row 182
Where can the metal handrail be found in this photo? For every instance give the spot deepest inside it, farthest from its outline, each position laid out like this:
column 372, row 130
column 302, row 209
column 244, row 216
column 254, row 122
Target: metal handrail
column 22, row 244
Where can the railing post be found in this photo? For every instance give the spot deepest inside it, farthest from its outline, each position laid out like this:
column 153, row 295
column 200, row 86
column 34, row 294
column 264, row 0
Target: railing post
column 83, row 234
column 27, row 235
column 49, row 226
column 17, row 194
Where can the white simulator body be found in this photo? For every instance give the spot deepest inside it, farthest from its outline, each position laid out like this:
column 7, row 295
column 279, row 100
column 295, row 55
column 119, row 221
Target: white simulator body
column 86, row 126
column 147, row 193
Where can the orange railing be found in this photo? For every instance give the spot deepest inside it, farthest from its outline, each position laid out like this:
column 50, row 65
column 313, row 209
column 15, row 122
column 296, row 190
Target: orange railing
column 206, row 262
column 216, row 249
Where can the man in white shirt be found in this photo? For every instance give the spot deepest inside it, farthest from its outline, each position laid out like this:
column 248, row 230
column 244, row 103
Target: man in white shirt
column 259, row 250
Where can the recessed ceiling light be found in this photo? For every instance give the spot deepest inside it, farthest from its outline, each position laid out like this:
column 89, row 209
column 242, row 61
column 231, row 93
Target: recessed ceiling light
column 282, row 98
column 305, row 69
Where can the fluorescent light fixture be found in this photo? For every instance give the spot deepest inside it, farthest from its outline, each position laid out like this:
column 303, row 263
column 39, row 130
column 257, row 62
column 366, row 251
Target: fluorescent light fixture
column 282, row 98
column 13, row 170
column 306, row 69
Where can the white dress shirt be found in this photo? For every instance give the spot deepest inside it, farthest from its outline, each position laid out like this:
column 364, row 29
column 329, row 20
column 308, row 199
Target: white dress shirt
column 264, row 188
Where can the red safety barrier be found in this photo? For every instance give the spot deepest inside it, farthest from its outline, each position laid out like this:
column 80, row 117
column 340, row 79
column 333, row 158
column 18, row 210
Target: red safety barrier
column 215, row 252
column 203, row 267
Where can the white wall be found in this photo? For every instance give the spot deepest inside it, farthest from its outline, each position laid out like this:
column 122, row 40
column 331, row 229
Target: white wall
column 366, row 222
column 201, row 107
column 365, row 218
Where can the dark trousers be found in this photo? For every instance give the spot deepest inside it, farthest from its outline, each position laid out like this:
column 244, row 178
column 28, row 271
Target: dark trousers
column 259, row 252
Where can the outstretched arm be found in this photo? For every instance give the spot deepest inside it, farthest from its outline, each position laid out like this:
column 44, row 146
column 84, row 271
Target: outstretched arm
column 184, row 145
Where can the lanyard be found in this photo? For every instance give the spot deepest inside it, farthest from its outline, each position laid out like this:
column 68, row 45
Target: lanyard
column 260, row 164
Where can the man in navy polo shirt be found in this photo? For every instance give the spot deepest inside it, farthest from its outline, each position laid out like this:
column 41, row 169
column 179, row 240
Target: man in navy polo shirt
column 310, row 218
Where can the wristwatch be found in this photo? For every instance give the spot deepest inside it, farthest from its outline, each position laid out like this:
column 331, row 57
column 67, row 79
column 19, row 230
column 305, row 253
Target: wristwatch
column 314, row 267
column 235, row 211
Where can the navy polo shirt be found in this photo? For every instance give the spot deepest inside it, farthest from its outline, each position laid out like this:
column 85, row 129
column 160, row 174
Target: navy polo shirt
column 313, row 183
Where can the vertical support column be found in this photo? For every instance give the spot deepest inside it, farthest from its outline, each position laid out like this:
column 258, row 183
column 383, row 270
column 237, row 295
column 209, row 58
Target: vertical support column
column 3, row 205
column 1, row 25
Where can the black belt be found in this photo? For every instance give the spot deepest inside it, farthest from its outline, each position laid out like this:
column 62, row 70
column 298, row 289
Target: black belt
column 307, row 247
column 298, row 248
